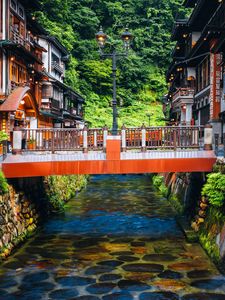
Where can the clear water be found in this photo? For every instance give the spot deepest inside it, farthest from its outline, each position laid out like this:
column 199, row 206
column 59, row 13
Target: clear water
column 117, row 240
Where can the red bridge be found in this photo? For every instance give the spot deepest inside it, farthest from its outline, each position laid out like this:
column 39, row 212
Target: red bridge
column 43, row 152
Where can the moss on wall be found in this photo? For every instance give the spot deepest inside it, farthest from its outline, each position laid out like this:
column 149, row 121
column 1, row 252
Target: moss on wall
column 60, row 189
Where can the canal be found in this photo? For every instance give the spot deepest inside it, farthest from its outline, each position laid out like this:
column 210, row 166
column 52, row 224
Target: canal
column 118, row 240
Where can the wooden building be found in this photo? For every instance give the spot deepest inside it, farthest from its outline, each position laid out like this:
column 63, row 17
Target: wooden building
column 195, row 73
column 28, row 68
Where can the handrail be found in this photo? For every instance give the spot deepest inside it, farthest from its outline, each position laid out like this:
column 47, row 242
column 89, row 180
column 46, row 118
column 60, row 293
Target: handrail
column 74, row 139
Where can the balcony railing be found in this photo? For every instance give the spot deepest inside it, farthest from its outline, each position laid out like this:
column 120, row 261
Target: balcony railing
column 52, row 105
column 57, row 67
column 16, row 37
column 183, row 93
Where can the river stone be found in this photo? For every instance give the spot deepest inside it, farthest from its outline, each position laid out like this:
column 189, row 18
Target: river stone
column 110, row 263
column 159, row 257
column 62, row 294
column 86, row 298
column 208, row 284
column 37, row 286
column 56, row 255
column 119, row 253
column 85, row 243
column 36, row 277
column 203, row 296
column 139, row 276
column 137, row 244
column 14, row 264
column 25, row 295
column 132, row 285
column 98, row 270
column 7, row 283
column 199, row 274
column 151, row 268
column 160, row 296
column 118, row 296
column 109, row 277
column 185, row 266
column 169, row 284
column 101, row 288
column 74, row 281
column 122, row 240
column 35, row 250
column 127, row 258
column 170, row 275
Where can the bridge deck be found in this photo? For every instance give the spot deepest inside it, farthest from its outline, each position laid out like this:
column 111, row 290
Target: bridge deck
column 65, row 163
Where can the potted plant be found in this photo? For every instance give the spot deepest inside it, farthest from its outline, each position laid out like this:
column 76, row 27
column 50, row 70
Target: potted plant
column 31, row 144
column 3, row 137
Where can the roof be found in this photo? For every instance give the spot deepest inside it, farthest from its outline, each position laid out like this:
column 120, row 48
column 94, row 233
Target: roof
column 201, row 14
column 190, row 3
column 13, row 100
column 56, row 43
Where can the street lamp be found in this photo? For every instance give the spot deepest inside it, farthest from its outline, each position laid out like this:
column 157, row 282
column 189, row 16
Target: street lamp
column 149, row 118
column 101, row 38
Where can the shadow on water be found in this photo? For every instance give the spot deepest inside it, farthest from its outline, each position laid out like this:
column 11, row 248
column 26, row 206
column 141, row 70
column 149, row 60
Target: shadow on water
column 117, row 240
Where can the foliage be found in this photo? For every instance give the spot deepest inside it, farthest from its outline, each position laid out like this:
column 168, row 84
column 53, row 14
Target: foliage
column 3, row 184
column 158, row 182
column 209, row 231
column 214, row 189
column 140, row 76
column 61, row 189
column 3, row 136
column 219, row 167
column 210, row 246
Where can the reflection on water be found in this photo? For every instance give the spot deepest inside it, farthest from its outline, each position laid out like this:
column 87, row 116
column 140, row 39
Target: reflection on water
column 118, row 240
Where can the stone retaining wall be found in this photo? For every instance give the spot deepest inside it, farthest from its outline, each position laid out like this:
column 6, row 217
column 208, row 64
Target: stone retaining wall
column 20, row 212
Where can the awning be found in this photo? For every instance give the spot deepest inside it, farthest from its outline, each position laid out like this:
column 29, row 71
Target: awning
column 12, row 102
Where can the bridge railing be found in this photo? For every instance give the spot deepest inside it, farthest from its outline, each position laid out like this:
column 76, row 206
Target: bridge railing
column 142, row 138
column 164, row 137
column 51, row 139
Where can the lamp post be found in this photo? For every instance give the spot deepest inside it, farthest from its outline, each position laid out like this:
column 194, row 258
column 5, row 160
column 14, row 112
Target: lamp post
column 101, row 38
column 149, row 118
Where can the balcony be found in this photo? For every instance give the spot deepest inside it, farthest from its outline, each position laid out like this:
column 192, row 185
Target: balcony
column 50, row 105
column 28, row 46
column 57, row 67
column 183, row 96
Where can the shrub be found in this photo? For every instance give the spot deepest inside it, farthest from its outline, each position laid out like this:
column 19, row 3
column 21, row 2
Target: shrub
column 3, row 184
column 214, row 189
column 158, row 182
column 3, row 136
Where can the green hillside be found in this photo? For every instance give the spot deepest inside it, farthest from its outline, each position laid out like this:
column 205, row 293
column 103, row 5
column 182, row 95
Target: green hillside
column 141, row 81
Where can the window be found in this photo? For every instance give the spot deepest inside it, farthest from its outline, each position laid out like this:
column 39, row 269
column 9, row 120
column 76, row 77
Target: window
column 13, row 5
column 21, row 12
column 18, row 73
column 55, row 58
column 46, row 91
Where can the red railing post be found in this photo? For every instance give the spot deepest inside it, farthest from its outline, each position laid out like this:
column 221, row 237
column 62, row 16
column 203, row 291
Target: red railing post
column 105, row 134
column 17, row 140
column 175, row 139
column 143, row 138
column 53, row 141
column 85, row 139
column 208, row 137
column 123, row 136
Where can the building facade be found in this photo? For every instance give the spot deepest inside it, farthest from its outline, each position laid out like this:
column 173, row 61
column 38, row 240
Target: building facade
column 32, row 70
column 196, row 72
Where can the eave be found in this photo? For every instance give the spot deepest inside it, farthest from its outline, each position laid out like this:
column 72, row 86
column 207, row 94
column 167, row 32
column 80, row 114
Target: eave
column 202, row 12
column 180, row 28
